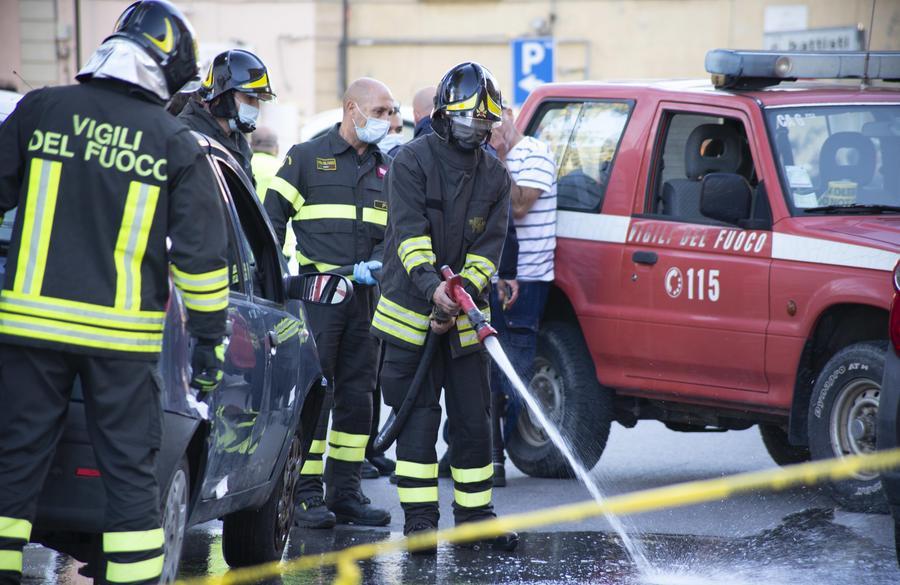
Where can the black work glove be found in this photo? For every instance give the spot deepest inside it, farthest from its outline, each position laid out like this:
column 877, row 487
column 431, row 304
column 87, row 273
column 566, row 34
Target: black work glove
column 207, row 362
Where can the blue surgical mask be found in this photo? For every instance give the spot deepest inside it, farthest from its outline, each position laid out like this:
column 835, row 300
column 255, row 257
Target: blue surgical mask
column 374, row 130
column 246, row 118
column 390, row 141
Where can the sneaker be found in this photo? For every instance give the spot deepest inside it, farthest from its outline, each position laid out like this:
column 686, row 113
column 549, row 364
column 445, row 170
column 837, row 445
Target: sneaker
column 384, row 464
column 312, row 513
column 369, row 471
column 354, row 508
column 499, row 475
column 417, row 525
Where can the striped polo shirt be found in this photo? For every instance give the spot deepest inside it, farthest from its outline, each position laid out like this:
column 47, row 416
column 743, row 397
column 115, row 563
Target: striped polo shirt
column 531, row 164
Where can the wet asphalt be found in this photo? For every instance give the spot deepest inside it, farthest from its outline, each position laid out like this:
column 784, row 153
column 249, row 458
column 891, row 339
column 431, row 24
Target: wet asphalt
column 789, row 538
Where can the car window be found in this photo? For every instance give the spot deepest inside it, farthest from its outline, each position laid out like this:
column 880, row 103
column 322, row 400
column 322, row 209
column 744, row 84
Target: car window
column 264, row 267
column 692, row 147
column 584, row 138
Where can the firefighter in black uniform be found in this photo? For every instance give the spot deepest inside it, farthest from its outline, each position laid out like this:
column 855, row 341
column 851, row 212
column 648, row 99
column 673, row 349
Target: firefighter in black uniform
column 449, row 203
column 331, row 190
column 235, row 83
column 102, row 176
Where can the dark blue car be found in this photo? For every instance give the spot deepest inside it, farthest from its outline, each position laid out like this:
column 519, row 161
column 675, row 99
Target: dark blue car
column 235, row 456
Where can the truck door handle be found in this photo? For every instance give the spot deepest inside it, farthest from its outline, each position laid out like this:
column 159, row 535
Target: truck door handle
column 642, row 257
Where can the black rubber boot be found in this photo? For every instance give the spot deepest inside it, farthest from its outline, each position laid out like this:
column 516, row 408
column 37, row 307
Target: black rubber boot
column 498, row 409
column 369, row 471
column 344, row 497
column 355, row 508
column 384, row 465
column 415, row 526
column 312, row 513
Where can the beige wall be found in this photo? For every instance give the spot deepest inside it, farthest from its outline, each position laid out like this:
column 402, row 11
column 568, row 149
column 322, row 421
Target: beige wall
column 410, row 43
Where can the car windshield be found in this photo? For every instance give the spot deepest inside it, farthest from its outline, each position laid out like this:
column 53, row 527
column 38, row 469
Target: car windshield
column 838, row 159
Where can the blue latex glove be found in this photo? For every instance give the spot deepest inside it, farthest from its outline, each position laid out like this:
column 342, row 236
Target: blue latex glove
column 362, row 272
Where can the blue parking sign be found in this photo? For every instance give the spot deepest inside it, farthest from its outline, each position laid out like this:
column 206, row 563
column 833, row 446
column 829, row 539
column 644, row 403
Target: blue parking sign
column 534, row 63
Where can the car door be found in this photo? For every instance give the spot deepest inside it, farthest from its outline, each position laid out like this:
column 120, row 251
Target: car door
column 236, row 409
column 698, row 290
column 277, row 395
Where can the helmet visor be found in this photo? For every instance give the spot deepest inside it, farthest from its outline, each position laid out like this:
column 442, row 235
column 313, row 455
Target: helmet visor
column 471, row 120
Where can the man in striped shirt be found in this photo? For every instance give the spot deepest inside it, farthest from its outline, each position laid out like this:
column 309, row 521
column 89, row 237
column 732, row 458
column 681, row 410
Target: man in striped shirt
column 533, row 196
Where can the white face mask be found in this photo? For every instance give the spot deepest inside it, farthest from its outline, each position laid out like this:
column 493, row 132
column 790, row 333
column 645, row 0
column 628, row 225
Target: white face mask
column 374, row 130
column 390, row 141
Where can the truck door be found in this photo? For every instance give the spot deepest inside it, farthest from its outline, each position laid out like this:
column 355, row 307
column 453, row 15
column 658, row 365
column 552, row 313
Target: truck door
column 699, row 286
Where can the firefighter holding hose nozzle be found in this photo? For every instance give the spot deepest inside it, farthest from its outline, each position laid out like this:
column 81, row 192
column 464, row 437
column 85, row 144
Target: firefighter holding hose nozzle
column 449, row 203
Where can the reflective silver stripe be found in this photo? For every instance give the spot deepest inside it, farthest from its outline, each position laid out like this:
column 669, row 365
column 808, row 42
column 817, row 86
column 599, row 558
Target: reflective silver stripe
column 39, row 204
column 136, row 226
column 205, row 300
column 50, row 330
column 40, row 304
column 185, row 280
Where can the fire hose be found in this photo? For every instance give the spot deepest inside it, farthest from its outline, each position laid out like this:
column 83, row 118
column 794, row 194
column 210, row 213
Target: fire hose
column 398, row 417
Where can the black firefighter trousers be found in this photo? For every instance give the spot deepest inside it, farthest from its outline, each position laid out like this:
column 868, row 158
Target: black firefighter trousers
column 124, row 422
column 468, row 399
column 348, row 354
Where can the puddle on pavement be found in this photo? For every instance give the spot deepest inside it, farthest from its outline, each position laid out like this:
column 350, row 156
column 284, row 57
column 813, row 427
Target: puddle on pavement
column 807, row 548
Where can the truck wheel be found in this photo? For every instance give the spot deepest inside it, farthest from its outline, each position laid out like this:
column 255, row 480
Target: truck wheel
column 251, row 537
column 174, row 519
column 782, row 452
column 843, row 411
column 565, row 382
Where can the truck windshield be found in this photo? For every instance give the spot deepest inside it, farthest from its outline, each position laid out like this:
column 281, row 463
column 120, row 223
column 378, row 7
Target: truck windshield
column 838, row 159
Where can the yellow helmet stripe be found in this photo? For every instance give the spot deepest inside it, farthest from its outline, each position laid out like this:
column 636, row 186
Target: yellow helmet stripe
column 168, row 43
column 468, row 104
column 261, row 82
column 209, row 77
column 493, row 107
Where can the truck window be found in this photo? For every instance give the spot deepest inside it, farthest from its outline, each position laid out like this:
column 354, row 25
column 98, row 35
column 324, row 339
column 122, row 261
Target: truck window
column 692, row 147
column 584, row 138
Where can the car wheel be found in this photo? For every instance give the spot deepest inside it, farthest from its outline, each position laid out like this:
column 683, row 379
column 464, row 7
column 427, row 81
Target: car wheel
column 565, row 382
column 250, row 537
column 843, row 411
column 174, row 519
column 780, row 449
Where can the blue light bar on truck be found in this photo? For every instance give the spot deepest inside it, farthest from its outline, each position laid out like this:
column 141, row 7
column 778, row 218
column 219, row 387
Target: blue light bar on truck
column 754, row 69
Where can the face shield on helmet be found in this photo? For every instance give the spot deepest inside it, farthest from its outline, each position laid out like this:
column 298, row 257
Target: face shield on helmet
column 471, row 132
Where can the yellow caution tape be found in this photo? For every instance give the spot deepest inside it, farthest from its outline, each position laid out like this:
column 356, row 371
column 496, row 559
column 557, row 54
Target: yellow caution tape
column 683, row 494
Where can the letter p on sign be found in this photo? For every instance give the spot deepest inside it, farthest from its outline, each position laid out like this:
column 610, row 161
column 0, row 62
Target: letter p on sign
column 533, row 65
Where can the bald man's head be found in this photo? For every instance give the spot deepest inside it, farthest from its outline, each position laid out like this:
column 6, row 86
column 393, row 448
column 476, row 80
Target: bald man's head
column 366, row 92
column 423, row 103
column 264, row 140
column 365, row 99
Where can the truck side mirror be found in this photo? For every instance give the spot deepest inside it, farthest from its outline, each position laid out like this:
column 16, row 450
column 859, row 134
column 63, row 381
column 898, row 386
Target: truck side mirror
column 319, row 288
column 725, row 197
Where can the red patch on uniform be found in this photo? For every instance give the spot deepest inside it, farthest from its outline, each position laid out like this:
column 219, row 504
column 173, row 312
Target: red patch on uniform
column 381, row 171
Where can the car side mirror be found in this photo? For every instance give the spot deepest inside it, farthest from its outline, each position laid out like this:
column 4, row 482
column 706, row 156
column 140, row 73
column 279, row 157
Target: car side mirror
column 725, row 197
column 319, row 288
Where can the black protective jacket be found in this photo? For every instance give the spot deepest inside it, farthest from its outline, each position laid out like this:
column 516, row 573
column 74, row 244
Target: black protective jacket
column 334, row 199
column 447, row 207
column 198, row 118
column 101, row 176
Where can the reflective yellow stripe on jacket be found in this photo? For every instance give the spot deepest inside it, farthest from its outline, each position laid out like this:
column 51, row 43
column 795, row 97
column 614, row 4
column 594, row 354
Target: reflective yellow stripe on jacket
column 478, row 270
column 206, row 292
column 131, row 244
column 37, row 222
column 415, row 251
column 399, row 322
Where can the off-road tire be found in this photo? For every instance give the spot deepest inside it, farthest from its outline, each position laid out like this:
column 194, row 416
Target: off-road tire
column 782, row 452
column 855, row 369
column 251, row 537
column 587, row 407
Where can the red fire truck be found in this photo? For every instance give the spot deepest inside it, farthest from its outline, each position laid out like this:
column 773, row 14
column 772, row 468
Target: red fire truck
column 723, row 256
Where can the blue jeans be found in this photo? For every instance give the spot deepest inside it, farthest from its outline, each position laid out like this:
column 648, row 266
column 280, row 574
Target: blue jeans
column 517, row 328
